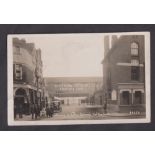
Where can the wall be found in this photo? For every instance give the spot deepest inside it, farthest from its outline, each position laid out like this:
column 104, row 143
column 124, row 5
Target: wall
column 121, row 53
column 28, row 76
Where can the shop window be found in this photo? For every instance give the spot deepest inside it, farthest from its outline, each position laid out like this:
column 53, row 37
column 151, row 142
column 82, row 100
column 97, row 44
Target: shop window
column 138, row 97
column 134, row 49
column 18, row 72
column 135, row 71
column 125, row 98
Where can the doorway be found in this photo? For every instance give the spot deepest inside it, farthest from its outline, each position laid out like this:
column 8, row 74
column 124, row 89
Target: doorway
column 20, row 101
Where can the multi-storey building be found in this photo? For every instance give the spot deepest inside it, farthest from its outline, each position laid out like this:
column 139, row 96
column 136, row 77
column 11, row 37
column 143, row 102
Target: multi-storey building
column 27, row 74
column 124, row 72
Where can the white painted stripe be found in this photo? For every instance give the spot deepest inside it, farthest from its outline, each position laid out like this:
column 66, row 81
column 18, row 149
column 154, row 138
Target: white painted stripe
column 128, row 64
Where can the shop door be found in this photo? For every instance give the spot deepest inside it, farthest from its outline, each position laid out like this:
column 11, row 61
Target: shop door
column 19, row 102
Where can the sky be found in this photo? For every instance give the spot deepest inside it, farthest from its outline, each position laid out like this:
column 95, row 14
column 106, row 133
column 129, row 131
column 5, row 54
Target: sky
column 70, row 55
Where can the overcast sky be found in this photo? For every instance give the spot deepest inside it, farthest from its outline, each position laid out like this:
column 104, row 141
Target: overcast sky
column 70, row 54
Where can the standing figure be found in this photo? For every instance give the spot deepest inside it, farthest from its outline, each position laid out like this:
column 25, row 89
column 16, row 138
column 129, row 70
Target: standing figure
column 47, row 111
column 15, row 111
column 105, row 106
column 38, row 110
column 33, row 110
column 20, row 111
column 51, row 111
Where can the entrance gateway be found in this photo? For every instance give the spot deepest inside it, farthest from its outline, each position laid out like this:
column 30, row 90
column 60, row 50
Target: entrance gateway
column 20, row 101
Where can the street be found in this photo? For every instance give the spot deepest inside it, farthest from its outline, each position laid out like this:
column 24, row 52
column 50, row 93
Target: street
column 84, row 112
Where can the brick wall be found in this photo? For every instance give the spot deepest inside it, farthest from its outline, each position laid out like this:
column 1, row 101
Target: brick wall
column 122, row 54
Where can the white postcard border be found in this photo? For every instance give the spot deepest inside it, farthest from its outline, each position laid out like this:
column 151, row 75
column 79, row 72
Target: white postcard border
column 10, row 114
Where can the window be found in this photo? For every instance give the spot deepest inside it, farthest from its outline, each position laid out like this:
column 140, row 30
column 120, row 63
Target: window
column 125, row 98
column 114, row 95
column 135, row 62
column 135, row 73
column 134, row 49
column 18, row 72
column 138, row 97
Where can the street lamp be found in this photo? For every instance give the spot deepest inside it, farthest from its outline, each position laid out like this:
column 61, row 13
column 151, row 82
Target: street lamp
column 37, row 80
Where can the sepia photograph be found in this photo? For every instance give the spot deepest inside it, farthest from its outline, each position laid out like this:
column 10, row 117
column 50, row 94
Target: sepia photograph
column 78, row 78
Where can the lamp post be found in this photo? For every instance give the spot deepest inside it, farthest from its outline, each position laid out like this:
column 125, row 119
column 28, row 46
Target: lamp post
column 37, row 80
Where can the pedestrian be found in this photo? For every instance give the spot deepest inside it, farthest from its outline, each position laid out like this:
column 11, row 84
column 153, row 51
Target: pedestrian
column 20, row 111
column 15, row 111
column 35, row 111
column 51, row 111
column 105, row 108
column 38, row 110
column 43, row 112
column 32, row 111
column 47, row 111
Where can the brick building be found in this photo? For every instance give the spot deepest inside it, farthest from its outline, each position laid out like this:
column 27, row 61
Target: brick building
column 124, row 72
column 27, row 74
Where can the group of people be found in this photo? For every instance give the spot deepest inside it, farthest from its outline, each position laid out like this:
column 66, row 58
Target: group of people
column 36, row 111
column 18, row 109
column 49, row 111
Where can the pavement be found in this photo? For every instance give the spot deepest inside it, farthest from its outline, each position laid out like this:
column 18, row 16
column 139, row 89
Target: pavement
column 84, row 113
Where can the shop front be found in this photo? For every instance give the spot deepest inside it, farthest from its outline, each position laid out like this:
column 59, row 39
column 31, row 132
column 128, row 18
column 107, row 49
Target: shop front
column 131, row 98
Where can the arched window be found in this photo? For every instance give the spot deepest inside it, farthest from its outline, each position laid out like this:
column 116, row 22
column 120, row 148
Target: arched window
column 20, row 91
column 134, row 49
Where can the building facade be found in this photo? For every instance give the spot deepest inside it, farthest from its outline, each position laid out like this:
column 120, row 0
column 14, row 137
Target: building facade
column 73, row 90
column 27, row 75
column 124, row 72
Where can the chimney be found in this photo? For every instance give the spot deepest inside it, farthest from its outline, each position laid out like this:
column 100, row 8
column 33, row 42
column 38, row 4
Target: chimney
column 113, row 40
column 23, row 41
column 106, row 45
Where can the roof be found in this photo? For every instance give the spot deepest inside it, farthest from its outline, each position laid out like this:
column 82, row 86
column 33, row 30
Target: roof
column 22, row 43
column 112, row 49
column 118, row 43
